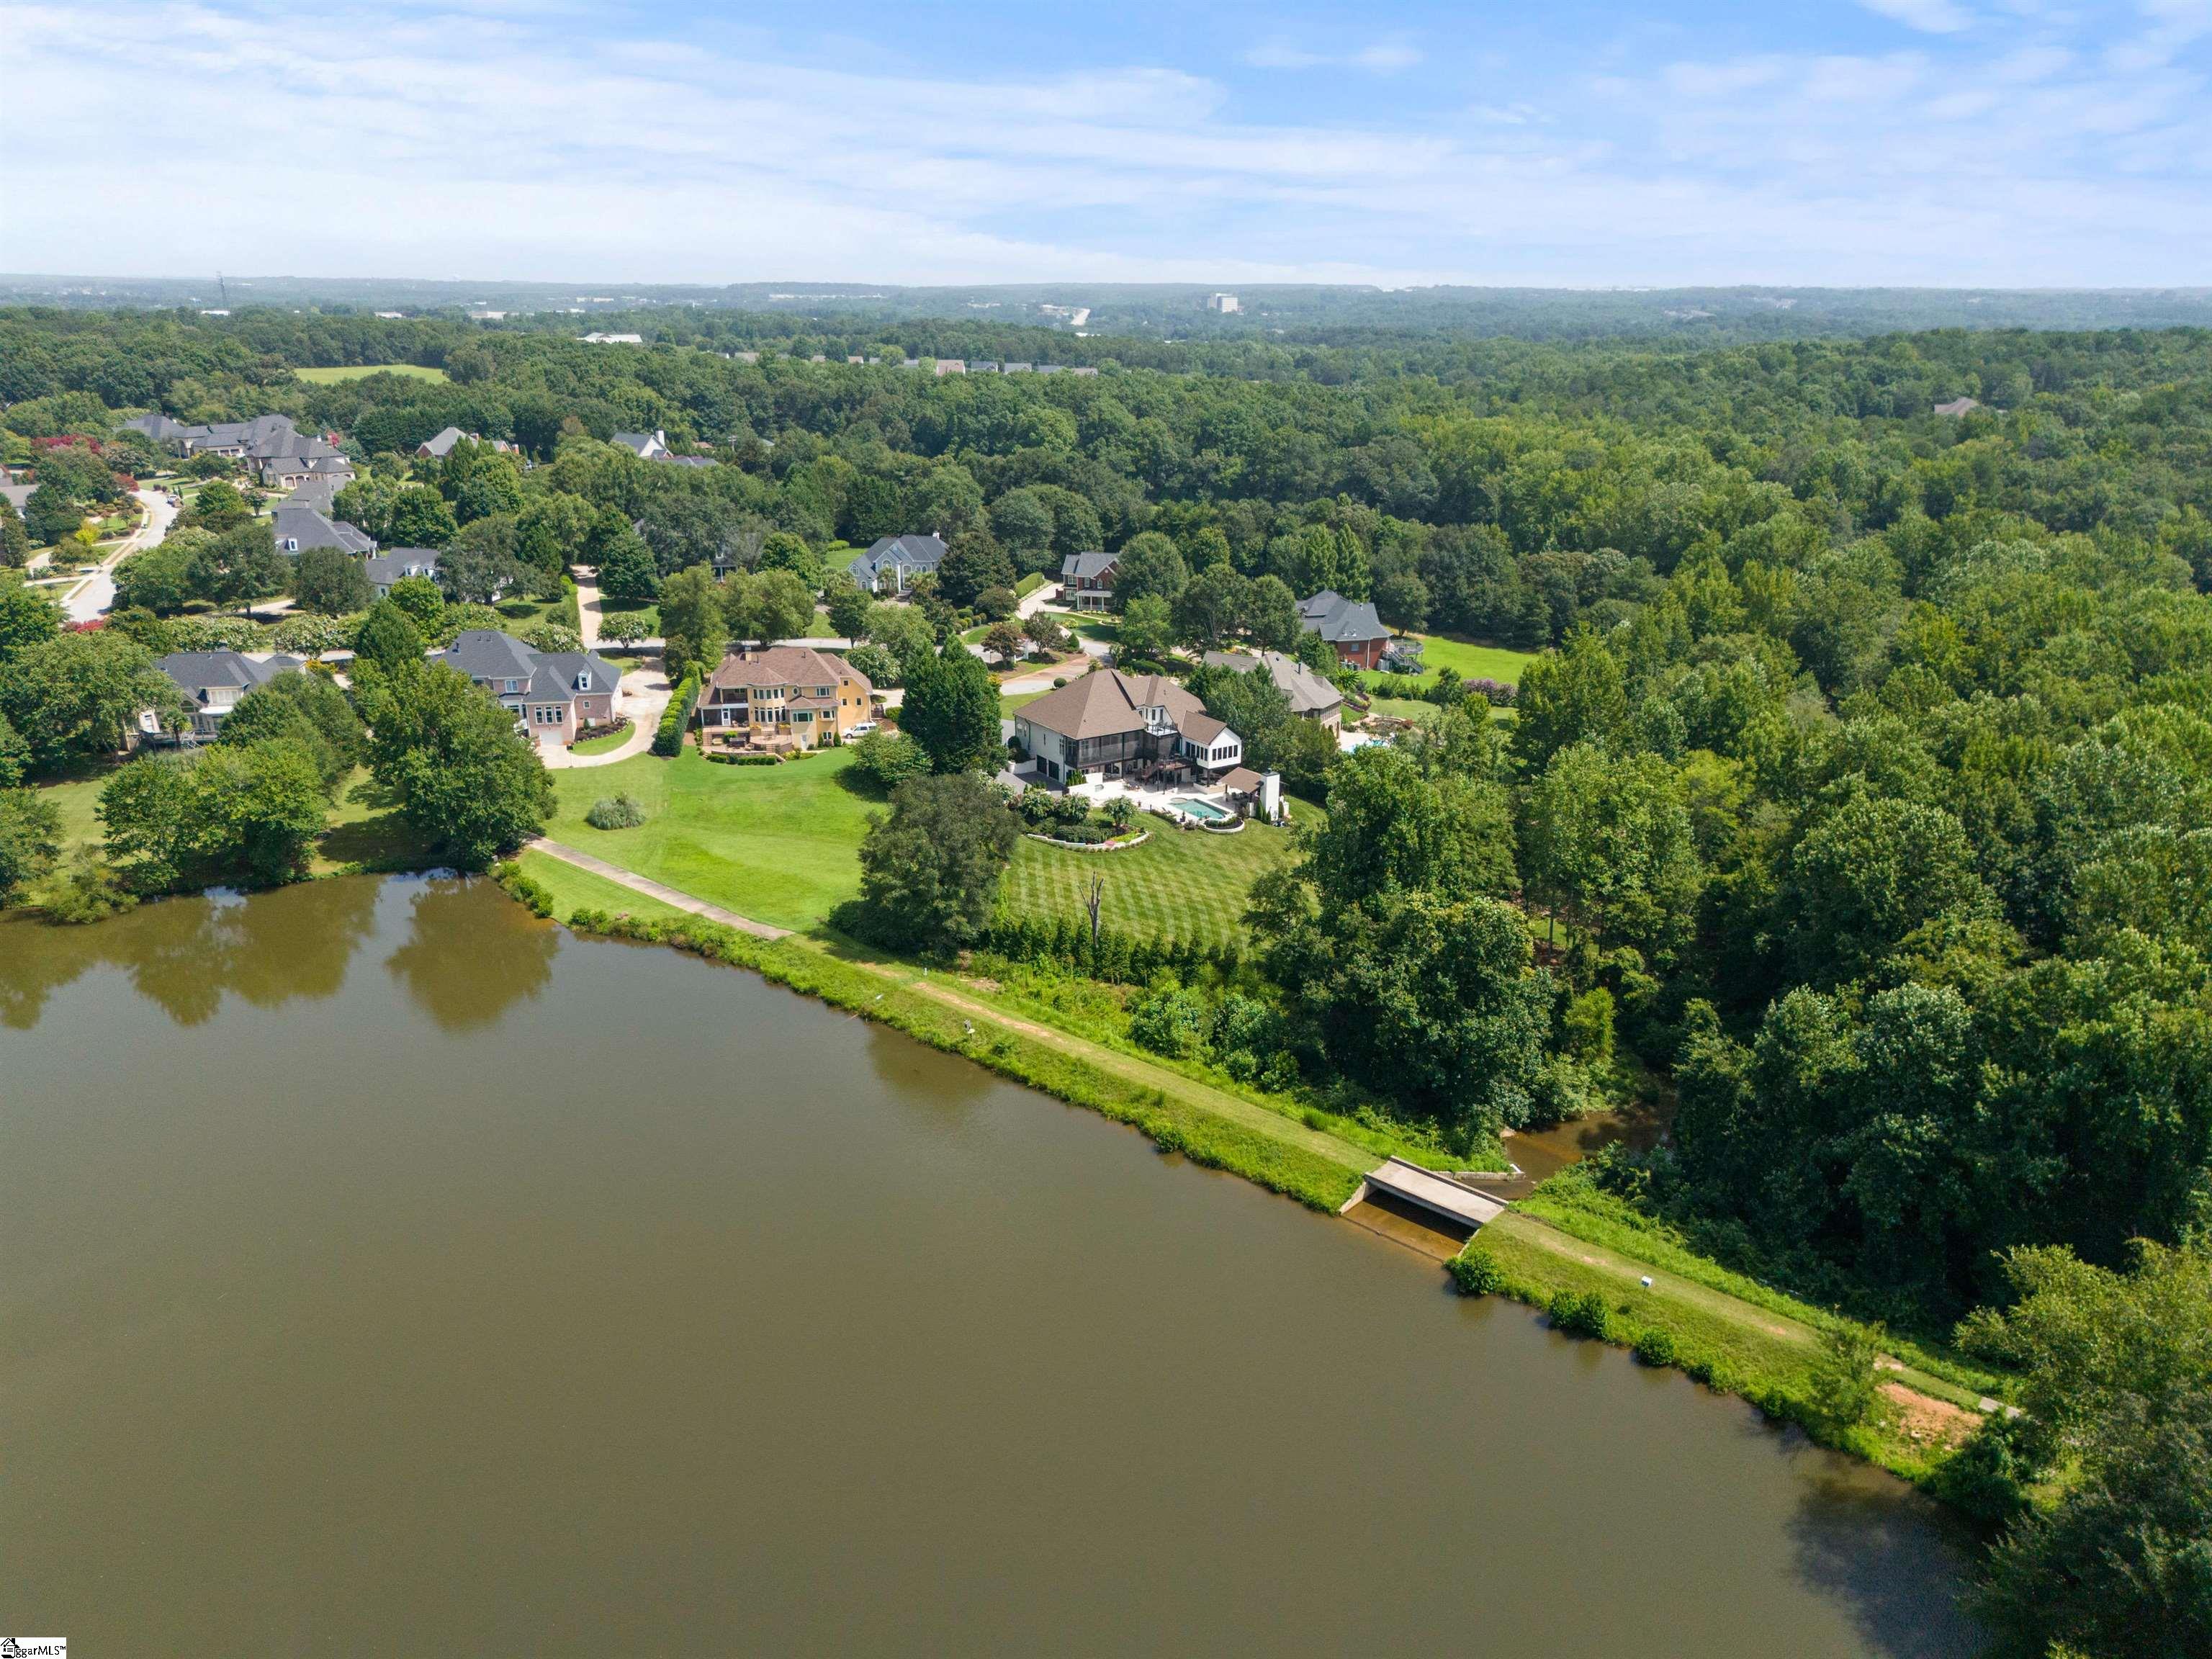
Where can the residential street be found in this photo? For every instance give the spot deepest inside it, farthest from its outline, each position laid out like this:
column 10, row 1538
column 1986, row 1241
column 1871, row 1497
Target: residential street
column 91, row 597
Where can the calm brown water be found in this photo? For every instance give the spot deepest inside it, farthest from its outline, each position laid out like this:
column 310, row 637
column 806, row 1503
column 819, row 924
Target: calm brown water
column 386, row 1270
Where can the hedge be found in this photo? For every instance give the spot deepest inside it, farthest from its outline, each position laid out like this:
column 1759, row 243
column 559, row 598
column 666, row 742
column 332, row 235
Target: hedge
column 1064, row 941
column 524, row 889
column 669, row 739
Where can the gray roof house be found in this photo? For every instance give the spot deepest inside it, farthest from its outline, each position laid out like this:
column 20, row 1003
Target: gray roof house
column 212, row 682
column 160, row 428
column 398, row 563
column 438, row 447
column 299, row 528
column 263, row 436
column 646, row 446
column 894, row 561
column 1350, row 625
column 318, row 494
column 290, row 472
column 553, row 694
column 1311, row 696
column 1086, row 579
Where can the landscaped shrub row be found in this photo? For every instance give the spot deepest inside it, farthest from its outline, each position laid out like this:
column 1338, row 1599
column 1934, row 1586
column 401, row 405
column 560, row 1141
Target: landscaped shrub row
column 746, row 760
column 1173, row 1125
column 524, row 889
column 1118, row 958
column 669, row 739
column 1081, row 835
column 589, row 733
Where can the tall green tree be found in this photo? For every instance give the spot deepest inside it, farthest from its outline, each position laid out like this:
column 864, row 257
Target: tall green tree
column 930, row 871
column 30, row 838
column 469, row 783
column 28, row 617
column 1149, row 563
column 1606, row 841
column 305, row 709
column 2114, row 1555
column 768, row 605
column 1568, row 696
column 80, row 695
column 951, row 709
column 693, row 623
column 387, row 637
column 331, row 581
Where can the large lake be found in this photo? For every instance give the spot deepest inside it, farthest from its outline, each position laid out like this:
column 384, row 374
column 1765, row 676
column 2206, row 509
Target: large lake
column 387, row 1271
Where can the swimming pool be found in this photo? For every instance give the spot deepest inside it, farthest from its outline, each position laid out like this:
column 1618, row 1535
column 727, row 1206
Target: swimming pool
column 1201, row 809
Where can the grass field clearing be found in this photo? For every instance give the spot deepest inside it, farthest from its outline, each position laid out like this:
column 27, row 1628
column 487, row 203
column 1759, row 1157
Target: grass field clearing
column 1472, row 662
column 332, row 376
column 778, row 843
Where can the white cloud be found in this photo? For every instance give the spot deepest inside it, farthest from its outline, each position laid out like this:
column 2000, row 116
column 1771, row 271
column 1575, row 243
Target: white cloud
column 1929, row 16
column 437, row 140
column 1386, row 57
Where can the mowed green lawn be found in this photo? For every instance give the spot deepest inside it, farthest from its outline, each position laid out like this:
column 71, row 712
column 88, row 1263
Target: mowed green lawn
column 778, row 843
column 330, row 376
column 1472, row 662
column 1181, row 883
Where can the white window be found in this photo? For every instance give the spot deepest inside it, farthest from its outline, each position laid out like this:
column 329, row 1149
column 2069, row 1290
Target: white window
column 547, row 713
column 584, row 680
column 511, row 685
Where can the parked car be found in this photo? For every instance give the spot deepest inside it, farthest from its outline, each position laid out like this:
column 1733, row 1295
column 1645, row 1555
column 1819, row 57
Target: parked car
column 860, row 728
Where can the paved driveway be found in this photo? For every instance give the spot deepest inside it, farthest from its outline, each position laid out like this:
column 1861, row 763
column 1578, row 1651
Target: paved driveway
column 645, row 694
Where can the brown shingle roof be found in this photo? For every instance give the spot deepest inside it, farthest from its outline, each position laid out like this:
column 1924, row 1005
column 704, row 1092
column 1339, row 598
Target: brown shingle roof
column 787, row 665
column 1105, row 701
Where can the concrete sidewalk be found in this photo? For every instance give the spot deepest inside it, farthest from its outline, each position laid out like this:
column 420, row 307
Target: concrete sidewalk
column 653, row 890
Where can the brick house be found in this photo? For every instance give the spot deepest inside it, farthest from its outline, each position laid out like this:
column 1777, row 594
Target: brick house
column 1086, row 579
column 1350, row 625
column 552, row 693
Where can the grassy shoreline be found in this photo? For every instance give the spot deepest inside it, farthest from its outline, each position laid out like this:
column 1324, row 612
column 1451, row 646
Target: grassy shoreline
column 1720, row 1327
column 1178, row 1113
column 1767, row 1351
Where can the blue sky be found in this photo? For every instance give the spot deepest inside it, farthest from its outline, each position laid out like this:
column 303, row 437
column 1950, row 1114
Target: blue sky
column 1984, row 141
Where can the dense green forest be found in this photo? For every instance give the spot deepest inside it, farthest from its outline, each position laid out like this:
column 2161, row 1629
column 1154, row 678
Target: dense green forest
column 1865, row 802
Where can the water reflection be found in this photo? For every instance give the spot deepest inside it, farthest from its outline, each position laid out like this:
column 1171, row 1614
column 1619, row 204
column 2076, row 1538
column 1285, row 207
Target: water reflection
column 183, row 954
column 472, row 954
column 1880, row 1557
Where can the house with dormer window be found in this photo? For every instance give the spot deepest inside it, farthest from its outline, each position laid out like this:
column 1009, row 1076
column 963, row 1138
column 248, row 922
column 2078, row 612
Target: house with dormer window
column 552, row 693
column 1113, row 724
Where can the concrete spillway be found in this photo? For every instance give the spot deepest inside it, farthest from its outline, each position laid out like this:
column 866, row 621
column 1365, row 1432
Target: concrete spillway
column 1414, row 1185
